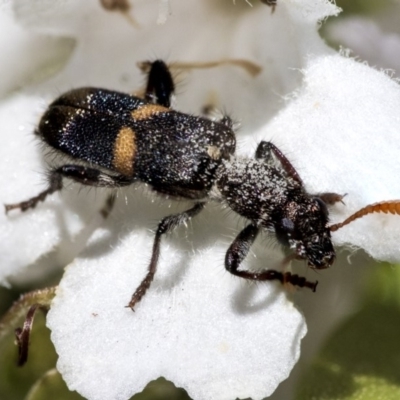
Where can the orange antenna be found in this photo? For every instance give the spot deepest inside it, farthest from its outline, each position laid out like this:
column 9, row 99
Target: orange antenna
column 392, row 206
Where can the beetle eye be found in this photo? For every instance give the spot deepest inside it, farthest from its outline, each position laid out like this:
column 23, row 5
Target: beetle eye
column 287, row 225
column 285, row 230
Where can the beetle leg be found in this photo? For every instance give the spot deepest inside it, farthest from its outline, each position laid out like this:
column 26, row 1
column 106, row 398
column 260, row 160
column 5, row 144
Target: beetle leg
column 160, row 84
column 238, row 251
column 264, row 150
column 167, row 224
column 78, row 173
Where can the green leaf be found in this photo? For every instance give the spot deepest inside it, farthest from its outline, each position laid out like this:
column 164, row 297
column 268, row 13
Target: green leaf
column 361, row 359
column 51, row 386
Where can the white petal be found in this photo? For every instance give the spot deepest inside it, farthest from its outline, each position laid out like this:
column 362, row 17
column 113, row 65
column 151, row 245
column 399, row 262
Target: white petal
column 27, row 57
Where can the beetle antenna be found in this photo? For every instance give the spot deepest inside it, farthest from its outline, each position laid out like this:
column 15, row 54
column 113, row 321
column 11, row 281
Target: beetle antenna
column 392, row 207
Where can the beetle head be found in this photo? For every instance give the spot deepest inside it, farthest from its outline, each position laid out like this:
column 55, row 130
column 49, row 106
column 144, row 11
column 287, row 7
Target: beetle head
column 303, row 226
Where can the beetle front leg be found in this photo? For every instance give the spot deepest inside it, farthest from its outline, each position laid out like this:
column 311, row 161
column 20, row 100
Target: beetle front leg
column 264, row 151
column 238, row 251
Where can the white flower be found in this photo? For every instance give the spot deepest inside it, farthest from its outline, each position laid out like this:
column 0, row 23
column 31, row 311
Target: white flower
column 210, row 333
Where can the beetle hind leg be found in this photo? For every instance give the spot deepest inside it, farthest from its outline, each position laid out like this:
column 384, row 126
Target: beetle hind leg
column 85, row 175
column 55, row 184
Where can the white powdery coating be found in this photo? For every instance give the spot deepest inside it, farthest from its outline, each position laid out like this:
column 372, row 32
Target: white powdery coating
column 342, row 135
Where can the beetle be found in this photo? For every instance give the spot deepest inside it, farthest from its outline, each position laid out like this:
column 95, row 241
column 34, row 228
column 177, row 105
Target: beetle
column 115, row 139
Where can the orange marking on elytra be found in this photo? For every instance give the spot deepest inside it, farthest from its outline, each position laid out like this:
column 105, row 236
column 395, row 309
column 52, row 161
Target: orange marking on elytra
column 147, row 111
column 125, row 151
